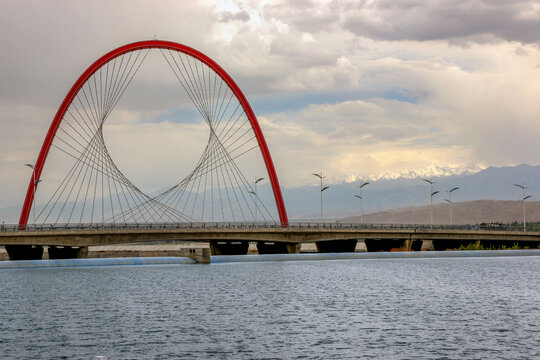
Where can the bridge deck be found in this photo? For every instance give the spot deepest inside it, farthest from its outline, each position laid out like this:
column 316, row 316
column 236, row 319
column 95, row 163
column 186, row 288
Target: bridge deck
column 92, row 237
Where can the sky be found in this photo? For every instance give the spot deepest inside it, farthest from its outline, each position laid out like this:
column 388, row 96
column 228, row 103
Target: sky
column 353, row 88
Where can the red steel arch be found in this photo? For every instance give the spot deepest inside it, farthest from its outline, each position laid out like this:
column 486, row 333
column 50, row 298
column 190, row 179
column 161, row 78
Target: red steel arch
column 150, row 44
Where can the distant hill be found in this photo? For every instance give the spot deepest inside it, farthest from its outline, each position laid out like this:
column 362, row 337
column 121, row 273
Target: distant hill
column 492, row 183
column 466, row 212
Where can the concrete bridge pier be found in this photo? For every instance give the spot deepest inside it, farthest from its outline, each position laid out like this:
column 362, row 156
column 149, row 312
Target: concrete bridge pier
column 427, row 245
column 24, row 252
column 200, row 255
column 270, row 247
column 229, row 247
column 336, row 246
column 68, row 252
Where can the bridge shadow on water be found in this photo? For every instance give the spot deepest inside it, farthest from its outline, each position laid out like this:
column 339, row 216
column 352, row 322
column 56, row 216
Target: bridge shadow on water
column 223, row 259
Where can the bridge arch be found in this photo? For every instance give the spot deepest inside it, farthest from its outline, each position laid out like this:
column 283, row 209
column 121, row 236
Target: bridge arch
column 132, row 47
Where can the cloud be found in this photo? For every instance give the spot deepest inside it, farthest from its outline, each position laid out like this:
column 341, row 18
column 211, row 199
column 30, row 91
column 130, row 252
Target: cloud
column 521, row 51
column 361, row 137
column 415, row 20
column 449, row 117
column 350, row 87
column 306, row 15
column 47, row 45
column 227, row 16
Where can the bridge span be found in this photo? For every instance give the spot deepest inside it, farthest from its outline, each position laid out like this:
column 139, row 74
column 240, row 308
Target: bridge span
column 234, row 238
column 95, row 191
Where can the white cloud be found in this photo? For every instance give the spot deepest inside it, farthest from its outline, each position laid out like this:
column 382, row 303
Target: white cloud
column 364, row 138
column 380, row 90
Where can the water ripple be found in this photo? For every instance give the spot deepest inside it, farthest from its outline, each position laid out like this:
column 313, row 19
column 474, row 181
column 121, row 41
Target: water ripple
column 456, row 308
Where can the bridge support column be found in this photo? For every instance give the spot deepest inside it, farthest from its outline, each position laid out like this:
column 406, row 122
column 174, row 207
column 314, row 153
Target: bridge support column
column 336, row 246
column 427, row 245
column 24, row 252
column 374, row 245
column 200, row 255
column 68, row 252
column 229, row 247
column 268, row 247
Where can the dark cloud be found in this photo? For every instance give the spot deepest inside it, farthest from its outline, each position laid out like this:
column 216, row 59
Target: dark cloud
column 469, row 20
column 227, row 16
column 473, row 19
column 304, row 15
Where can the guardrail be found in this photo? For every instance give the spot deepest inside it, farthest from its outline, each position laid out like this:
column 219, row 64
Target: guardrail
column 253, row 225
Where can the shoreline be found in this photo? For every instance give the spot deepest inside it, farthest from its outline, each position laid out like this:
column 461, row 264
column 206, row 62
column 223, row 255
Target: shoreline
column 224, row 259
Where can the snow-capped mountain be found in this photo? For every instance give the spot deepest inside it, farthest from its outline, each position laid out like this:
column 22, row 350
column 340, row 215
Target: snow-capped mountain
column 393, row 191
column 432, row 171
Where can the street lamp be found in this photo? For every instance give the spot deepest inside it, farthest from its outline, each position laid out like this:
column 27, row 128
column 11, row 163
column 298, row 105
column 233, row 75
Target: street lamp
column 361, row 198
column 431, row 193
column 321, row 177
column 257, row 180
column 523, row 198
column 35, row 182
column 450, row 202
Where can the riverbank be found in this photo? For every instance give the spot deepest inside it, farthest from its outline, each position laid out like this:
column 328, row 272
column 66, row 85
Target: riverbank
column 160, row 250
column 308, row 251
column 374, row 255
column 220, row 259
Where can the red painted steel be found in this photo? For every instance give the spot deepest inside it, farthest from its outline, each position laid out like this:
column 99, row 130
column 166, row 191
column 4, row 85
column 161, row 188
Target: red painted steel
column 151, row 44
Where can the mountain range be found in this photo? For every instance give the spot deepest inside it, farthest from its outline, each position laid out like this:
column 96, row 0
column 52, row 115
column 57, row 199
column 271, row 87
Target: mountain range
column 492, row 183
column 385, row 193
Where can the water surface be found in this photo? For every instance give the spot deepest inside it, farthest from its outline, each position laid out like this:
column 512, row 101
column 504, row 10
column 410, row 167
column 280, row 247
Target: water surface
column 449, row 308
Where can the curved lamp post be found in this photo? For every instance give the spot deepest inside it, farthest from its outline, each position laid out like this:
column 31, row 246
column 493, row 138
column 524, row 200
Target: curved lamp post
column 361, row 199
column 431, row 193
column 321, row 177
column 257, row 180
column 450, row 202
column 523, row 198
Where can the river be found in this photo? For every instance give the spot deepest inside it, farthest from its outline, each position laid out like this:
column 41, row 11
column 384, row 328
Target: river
column 446, row 308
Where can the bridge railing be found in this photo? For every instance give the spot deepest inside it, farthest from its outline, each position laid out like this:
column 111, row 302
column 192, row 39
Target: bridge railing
column 255, row 225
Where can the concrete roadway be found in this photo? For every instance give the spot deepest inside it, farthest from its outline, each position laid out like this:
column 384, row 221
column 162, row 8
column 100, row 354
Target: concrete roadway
column 74, row 237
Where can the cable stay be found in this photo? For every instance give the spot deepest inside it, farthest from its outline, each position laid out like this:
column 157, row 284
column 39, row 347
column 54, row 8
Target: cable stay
column 93, row 190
